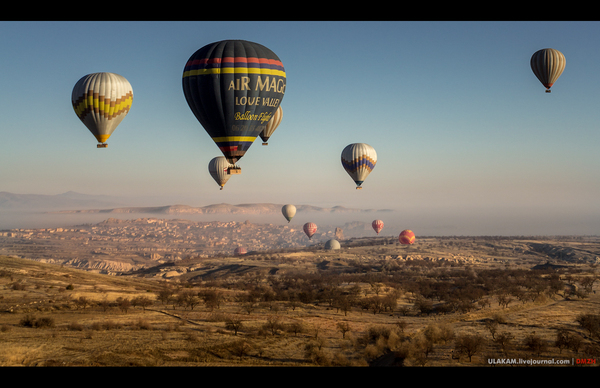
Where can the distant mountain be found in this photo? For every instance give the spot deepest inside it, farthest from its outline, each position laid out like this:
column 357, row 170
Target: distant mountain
column 222, row 208
column 73, row 202
column 68, row 200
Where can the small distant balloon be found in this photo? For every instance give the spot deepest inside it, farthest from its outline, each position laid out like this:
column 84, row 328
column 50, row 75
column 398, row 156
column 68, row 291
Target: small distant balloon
column 101, row 101
column 406, row 237
column 547, row 65
column 359, row 159
column 289, row 211
column 377, row 225
column 218, row 168
column 271, row 126
column 332, row 244
column 239, row 251
column 310, row 229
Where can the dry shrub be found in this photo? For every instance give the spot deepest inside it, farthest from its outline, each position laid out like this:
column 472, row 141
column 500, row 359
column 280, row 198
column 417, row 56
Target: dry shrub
column 75, row 326
column 31, row 321
column 111, row 325
column 143, row 324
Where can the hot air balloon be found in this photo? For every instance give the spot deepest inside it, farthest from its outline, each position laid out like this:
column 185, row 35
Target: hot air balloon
column 240, row 251
column 289, row 211
column 406, row 237
column 219, row 169
column 547, row 65
column 310, row 229
column 377, row 225
column 332, row 244
column 234, row 87
column 101, row 101
column 271, row 126
column 359, row 160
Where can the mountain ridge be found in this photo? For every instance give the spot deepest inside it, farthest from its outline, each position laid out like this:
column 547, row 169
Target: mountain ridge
column 72, row 202
column 247, row 208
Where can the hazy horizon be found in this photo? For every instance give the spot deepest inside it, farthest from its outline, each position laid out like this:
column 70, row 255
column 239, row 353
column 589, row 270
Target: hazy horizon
column 432, row 221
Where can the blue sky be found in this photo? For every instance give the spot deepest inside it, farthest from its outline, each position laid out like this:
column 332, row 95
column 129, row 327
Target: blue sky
column 465, row 134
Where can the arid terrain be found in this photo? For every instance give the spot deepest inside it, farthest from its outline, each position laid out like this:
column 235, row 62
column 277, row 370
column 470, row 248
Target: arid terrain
column 443, row 301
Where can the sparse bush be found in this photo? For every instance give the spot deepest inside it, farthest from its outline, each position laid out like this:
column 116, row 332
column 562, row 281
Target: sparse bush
column 143, row 324
column 374, row 333
column 31, row 321
column 75, row 326
column 111, row 325
column 315, row 355
column 27, row 321
column 18, row 286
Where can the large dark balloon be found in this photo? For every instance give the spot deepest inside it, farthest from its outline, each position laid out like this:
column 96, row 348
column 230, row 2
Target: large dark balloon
column 547, row 65
column 234, row 87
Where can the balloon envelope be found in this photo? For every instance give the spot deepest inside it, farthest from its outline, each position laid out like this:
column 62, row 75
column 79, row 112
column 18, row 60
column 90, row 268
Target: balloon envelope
column 377, row 225
column 310, row 229
column 406, row 237
column 218, row 169
column 101, row 101
column 359, row 160
column 332, row 244
column 289, row 211
column 240, row 251
column 272, row 125
column 234, row 87
column 547, row 65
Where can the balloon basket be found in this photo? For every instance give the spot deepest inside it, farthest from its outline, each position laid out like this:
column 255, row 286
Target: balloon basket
column 102, row 145
column 234, row 170
column 359, row 188
column 265, row 143
column 548, row 91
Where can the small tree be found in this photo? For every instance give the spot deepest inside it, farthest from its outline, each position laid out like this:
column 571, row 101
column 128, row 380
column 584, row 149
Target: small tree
column 212, row 299
column 82, row 302
column 240, row 348
column 504, row 340
column 343, row 327
column 468, row 345
column 273, row 325
column 233, row 324
column 164, row 295
column 492, row 326
column 591, row 323
column 141, row 301
column 124, row 304
column 295, row 327
column 535, row 343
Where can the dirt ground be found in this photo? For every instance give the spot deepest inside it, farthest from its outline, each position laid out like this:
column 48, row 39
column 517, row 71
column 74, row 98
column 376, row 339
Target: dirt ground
column 46, row 321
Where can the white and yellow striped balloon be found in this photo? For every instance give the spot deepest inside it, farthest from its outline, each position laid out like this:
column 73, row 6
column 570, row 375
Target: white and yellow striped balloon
column 359, row 159
column 101, row 101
